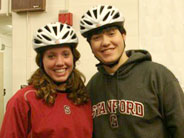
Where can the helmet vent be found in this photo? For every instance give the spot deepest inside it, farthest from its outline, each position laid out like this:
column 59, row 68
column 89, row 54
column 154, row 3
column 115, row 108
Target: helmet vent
column 65, row 35
column 61, row 27
column 81, row 23
column 89, row 23
column 82, row 28
column 40, row 30
column 95, row 13
column 101, row 9
column 112, row 12
column 47, row 28
column 106, row 16
column 55, row 30
column 74, row 36
column 46, row 37
column 37, row 41
column 88, row 14
column 109, row 7
column 39, row 36
column 71, row 32
column 116, row 16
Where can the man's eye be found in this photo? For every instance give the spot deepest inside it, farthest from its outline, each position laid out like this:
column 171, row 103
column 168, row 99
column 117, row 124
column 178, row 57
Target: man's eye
column 96, row 37
column 111, row 33
column 51, row 56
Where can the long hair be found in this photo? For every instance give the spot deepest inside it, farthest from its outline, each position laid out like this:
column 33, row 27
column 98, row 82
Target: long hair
column 47, row 89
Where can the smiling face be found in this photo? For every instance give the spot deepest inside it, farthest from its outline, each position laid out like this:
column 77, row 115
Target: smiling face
column 108, row 46
column 58, row 63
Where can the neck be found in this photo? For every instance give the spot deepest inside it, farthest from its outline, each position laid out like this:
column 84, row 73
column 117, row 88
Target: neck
column 61, row 87
column 122, row 60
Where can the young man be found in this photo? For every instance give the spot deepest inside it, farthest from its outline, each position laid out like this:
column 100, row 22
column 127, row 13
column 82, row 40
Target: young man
column 132, row 96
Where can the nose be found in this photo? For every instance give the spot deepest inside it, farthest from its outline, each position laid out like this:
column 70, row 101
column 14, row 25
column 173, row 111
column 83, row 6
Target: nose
column 105, row 40
column 59, row 61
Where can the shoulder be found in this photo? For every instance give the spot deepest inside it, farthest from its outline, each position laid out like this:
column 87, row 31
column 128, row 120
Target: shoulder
column 157, row 67
column 20, row 97
column 95, row 78
column 159, row 71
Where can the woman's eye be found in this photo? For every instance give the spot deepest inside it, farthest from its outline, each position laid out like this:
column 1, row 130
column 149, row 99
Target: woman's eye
column 66, row 54
column 112, row 33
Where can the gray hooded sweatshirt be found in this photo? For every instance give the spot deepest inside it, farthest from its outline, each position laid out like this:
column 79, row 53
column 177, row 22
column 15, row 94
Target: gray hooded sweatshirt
column 142, row 99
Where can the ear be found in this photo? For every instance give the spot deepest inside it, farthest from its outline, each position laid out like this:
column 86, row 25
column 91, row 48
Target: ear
column 124, row 36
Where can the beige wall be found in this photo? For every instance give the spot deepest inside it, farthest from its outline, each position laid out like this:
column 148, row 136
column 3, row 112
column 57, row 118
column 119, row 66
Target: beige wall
column 161, row 31
column 1, row 89
column 7, row 65
column 5, row 6
column 25, row 24
column 156, row 25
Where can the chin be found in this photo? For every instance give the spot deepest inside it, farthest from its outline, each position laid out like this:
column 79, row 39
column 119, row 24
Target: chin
column 60, row 80
column 109, row 61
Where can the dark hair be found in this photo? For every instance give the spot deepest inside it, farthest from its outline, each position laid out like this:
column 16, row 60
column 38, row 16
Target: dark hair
column 46, row 88
column 100, row 29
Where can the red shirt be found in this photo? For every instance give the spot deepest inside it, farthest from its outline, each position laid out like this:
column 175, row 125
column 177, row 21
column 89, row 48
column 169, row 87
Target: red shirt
column 29, row 117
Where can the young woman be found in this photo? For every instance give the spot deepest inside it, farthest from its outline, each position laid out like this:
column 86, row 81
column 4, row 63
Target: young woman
column 55, row 104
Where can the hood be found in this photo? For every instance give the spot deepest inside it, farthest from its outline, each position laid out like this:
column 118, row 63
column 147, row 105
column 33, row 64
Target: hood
column 135, row 58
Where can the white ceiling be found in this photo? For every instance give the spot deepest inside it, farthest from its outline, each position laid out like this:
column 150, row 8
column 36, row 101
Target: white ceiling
column 5, row 25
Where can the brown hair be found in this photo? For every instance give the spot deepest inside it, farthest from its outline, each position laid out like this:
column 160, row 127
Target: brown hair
column 46, row 88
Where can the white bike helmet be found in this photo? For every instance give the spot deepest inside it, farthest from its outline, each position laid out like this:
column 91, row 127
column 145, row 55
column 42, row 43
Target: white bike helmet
column 54, row 34
column 100, row 16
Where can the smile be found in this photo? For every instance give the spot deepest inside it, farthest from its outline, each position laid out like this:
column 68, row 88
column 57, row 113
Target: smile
column 60, row 71
column 107, row 51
